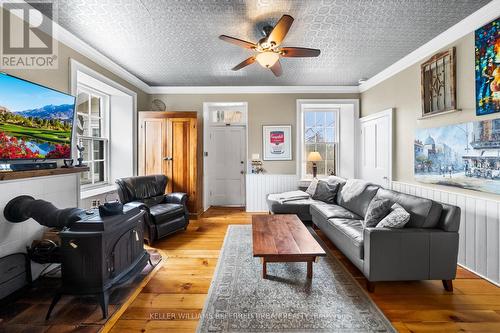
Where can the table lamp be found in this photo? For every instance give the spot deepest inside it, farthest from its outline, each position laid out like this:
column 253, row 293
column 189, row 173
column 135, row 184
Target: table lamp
column 314, row 157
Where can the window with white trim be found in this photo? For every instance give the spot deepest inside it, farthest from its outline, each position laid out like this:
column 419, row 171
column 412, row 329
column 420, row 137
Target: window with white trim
column 318, row 132
column 93, row 135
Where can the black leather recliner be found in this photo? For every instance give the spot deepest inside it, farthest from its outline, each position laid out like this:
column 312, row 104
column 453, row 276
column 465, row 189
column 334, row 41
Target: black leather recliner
column 167, row 213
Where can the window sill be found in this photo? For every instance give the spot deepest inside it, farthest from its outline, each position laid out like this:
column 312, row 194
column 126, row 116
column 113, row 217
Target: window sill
column 308, row 180
column 93, row 191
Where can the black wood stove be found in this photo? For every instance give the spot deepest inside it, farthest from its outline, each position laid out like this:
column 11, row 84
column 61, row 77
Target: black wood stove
column 97, row 253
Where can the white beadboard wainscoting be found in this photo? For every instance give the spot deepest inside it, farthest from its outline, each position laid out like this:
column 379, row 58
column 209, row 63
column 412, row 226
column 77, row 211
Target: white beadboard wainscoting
column 479, row 228
column 258, row 186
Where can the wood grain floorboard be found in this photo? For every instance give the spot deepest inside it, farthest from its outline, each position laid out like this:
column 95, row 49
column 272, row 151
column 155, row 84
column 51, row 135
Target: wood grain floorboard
column 172, row 301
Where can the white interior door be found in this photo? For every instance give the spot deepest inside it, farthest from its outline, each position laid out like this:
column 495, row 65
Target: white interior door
column 227, row 151
column 376, row 148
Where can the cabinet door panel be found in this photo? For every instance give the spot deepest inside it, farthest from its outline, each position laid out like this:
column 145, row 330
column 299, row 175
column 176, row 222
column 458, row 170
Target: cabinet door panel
column 151, row 147
column 181, row 158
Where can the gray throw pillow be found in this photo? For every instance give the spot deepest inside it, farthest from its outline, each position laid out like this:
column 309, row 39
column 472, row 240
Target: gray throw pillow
column 377, row 210
column 325, row 192
column 397, row 218
column 311, row 189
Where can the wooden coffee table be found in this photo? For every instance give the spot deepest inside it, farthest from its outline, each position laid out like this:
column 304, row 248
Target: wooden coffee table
column 283, row 238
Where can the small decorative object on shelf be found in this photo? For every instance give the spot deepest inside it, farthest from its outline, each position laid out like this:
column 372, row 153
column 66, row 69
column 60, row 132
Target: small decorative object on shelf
column 80, row 155
column 68, row 163
column 257, row 164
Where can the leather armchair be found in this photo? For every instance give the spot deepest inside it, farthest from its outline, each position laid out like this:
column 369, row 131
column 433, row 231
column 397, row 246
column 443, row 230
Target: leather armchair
column 166, row 213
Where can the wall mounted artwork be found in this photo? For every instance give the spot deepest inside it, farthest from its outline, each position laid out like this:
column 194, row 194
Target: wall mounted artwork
column 464, row 155
column 488, row 68
column 277, row 143
column 438, row 83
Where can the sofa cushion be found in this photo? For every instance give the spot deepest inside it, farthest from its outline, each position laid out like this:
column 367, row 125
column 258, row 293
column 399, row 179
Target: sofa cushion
column 359, row 204
column 311, row 189
column 376, row 211
column 424, row 213
column 156, row 200
column 325, row 192
column 298, row 207
column 349, row 236
column 397, row 218
column 165, row 212
column 328, row 211
column 340, row 182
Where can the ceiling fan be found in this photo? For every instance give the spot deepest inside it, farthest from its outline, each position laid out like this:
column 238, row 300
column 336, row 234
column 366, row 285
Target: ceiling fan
column 268, row 48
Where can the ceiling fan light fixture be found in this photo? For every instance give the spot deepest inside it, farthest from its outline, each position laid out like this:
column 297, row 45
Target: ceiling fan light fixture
column 267, row 59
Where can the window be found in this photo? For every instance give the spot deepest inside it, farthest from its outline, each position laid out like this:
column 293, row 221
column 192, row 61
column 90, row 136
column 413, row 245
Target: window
column 222, row 114
column 318, row 133
column 92, row 135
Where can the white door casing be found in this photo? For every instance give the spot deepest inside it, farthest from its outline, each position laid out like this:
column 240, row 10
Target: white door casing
column 376, row 148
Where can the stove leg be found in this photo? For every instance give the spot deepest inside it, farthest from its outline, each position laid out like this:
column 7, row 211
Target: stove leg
column 56, row 299
column 103, row 300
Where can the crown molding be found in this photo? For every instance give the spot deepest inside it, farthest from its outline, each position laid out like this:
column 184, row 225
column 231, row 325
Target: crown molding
column 469, row 24
column 206, row 90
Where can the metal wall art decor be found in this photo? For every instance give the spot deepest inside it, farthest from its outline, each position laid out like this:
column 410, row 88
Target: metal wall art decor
column 465, row 155
column 487, row 67
column 438, row 83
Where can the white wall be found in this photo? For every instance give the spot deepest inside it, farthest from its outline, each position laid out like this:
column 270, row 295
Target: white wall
column 62, row 191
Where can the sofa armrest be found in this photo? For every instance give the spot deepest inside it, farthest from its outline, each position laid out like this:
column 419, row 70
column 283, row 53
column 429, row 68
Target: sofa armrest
column 176, row 197
column 136, row 204
column 409, row 254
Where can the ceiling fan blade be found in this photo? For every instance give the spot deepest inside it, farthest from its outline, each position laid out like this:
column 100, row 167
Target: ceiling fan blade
column 280, row 30
column 244, row 63
column 276, row 69
column 239, row 42
column 299, row 52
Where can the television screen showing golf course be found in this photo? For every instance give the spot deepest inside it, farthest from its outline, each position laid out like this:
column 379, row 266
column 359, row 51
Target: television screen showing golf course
column 35, row 121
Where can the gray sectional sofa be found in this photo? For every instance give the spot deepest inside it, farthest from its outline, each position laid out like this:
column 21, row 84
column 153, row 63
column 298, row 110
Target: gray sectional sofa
column 425, row 249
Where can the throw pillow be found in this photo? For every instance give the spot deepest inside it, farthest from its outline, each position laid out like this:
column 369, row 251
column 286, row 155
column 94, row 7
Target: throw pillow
column 377, row 210
column 311, row 189
column 325, row 192
column 397, row 218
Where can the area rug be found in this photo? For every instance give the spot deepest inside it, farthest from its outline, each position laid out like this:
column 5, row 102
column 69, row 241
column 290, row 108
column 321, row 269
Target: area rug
column 239, row 300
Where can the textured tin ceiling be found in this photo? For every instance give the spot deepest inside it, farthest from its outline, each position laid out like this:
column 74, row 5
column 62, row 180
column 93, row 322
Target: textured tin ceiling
column 174, row 42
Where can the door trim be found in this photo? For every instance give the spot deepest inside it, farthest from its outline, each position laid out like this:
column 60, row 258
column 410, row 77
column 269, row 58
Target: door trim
column 381, row 114
column 206, row 133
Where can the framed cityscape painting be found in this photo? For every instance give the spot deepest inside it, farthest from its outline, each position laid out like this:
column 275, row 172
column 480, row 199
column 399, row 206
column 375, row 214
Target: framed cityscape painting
column 277, row 143
column 487, row 45
column 464, row 155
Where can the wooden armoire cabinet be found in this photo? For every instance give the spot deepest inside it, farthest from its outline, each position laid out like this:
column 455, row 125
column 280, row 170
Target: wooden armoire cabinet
column 168, row 144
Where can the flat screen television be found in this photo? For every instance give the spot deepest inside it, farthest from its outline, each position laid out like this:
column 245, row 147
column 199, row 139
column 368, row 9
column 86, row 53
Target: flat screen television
column 36, row 122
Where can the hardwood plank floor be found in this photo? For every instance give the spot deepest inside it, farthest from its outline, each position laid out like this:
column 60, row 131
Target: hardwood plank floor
column 173, row 299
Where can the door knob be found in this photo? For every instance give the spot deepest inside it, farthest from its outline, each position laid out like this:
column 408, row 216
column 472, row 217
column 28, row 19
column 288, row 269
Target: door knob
column 168, row 158
column 242, row 172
